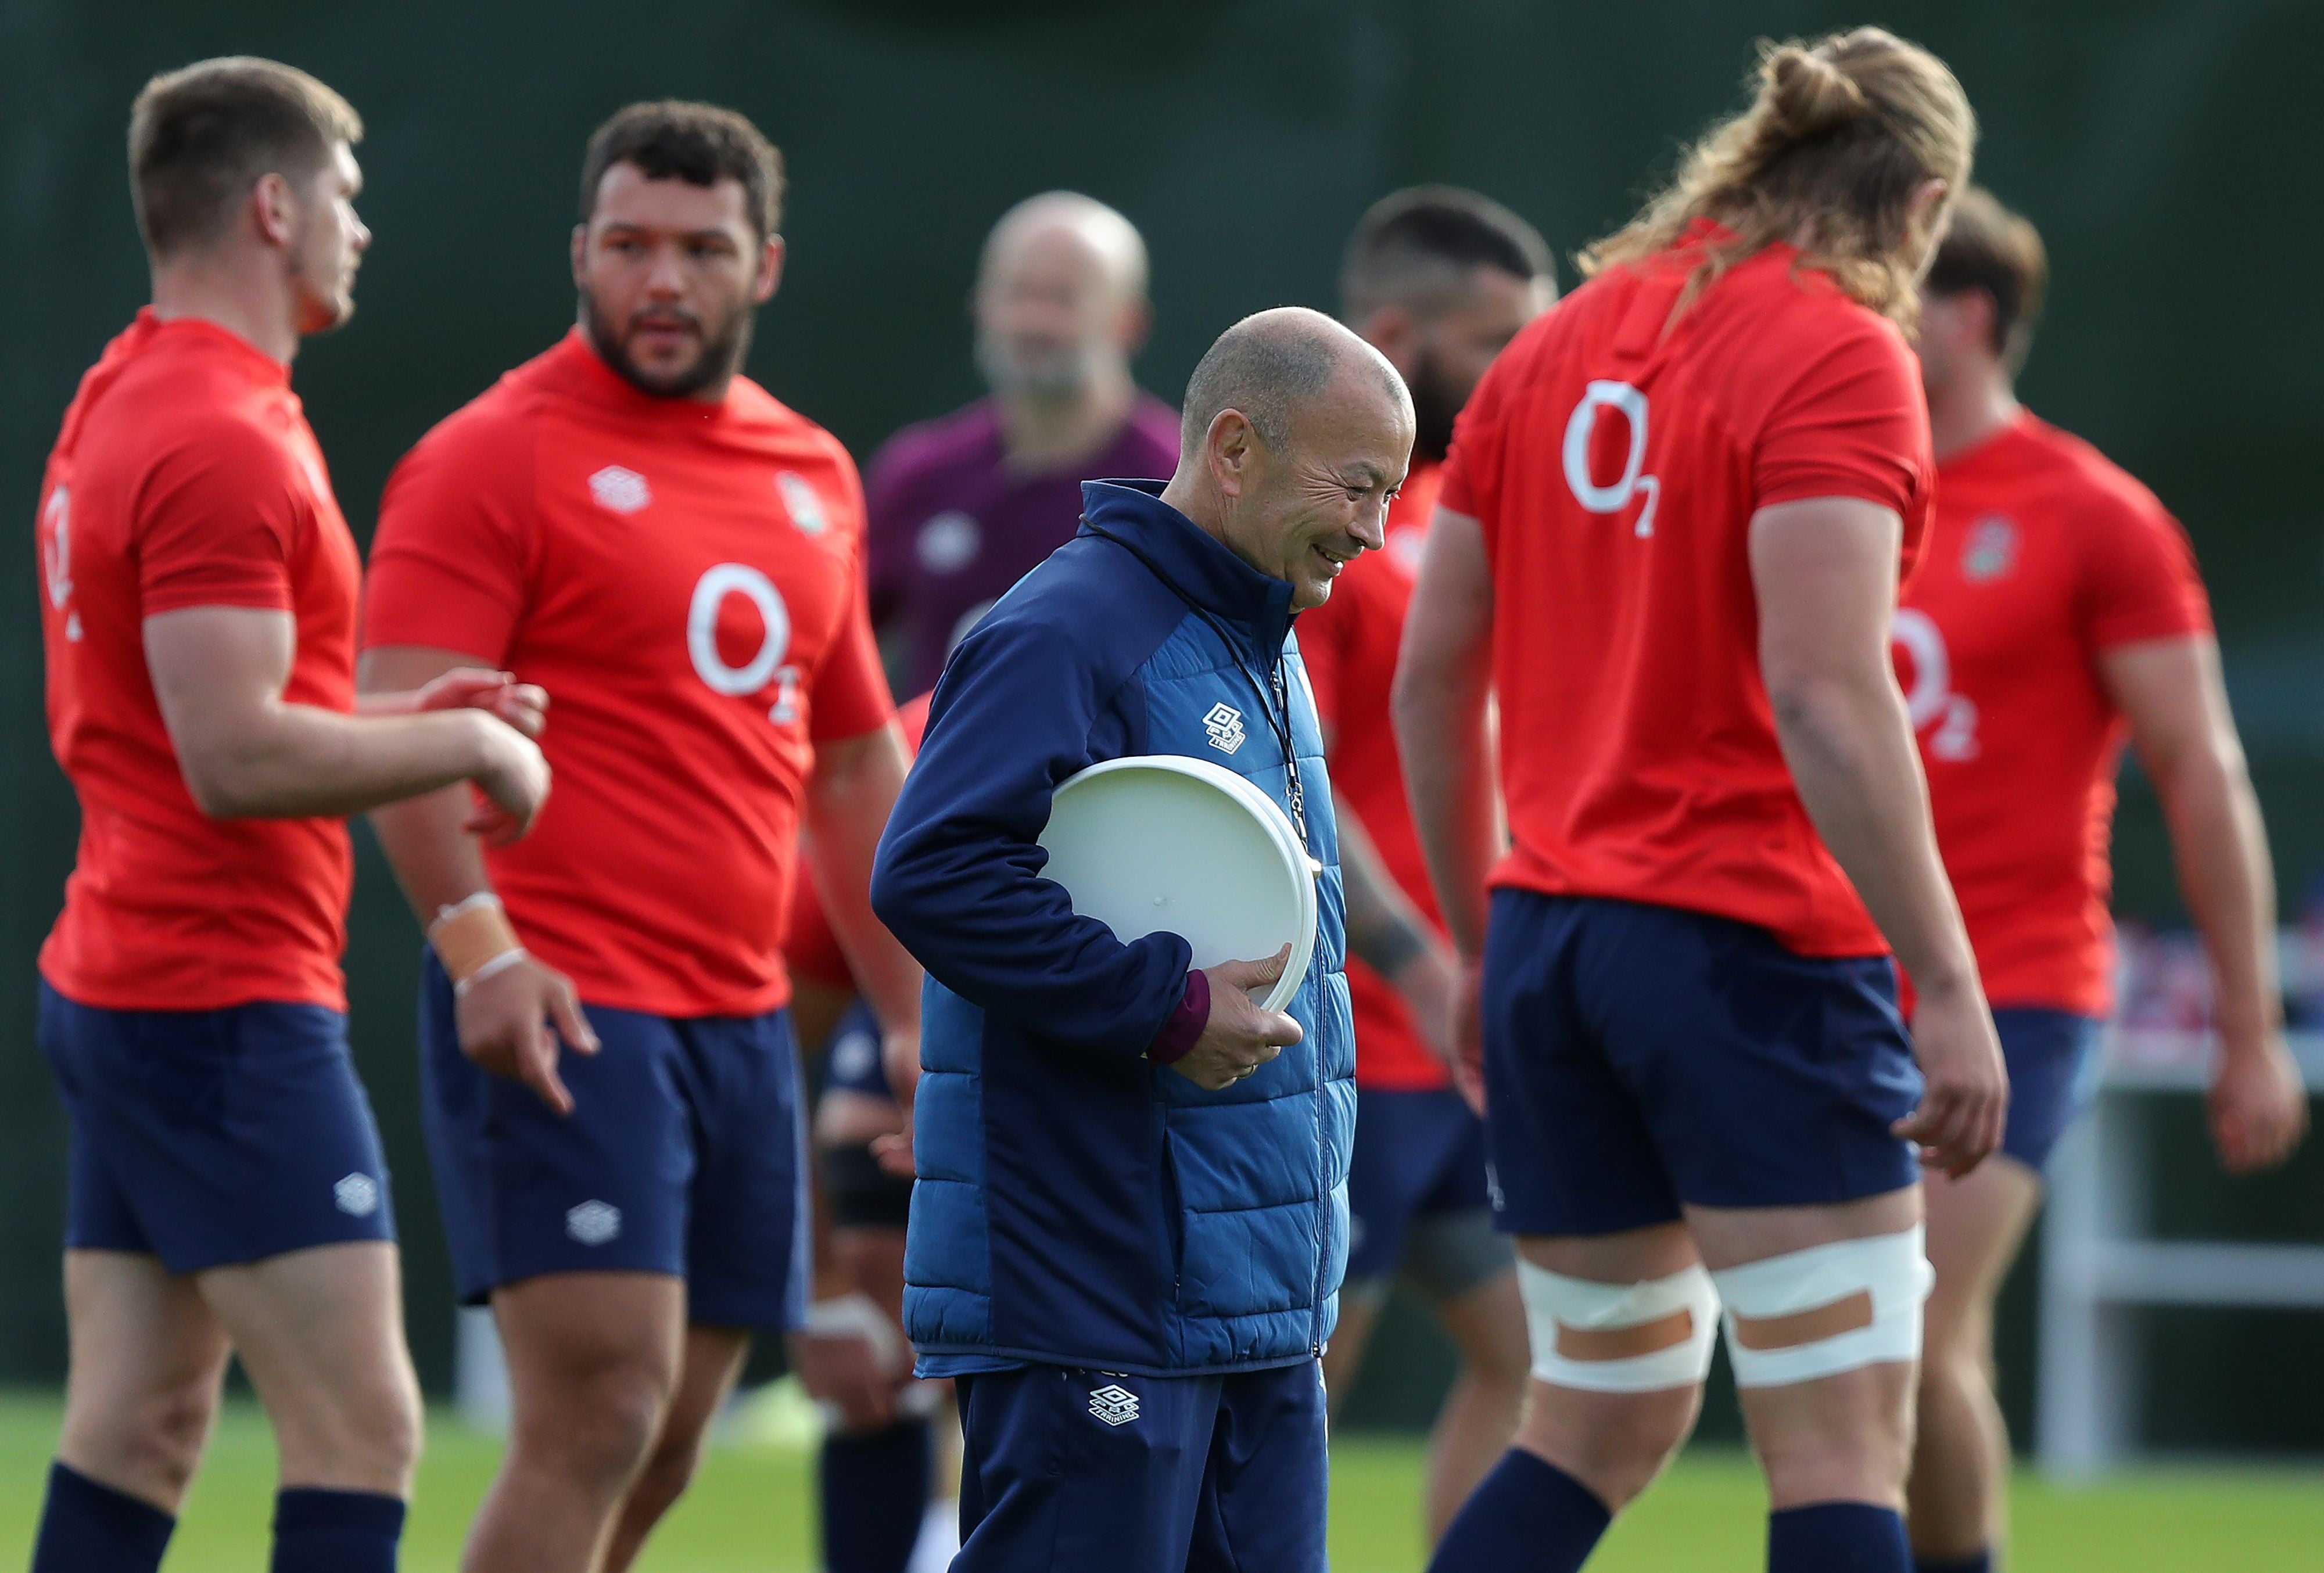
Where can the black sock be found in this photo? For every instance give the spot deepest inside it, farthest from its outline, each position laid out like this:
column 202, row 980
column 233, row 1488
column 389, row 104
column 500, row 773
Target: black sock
column 88, row 1528
column 335, row 1531
column 1982, row 1562
column 875, row 1493
column 1837, row 1537
column 1527, row 1516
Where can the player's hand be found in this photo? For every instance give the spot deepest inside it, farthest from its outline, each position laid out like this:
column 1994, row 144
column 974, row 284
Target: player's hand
column 513, row 777
column 1468, row 1059
column 511, row 1023
column 523, row 705
column 843, row 1369
column 1239, row 1037
column 894, row 1150
column 1966, row 1102
column 2258, row 1107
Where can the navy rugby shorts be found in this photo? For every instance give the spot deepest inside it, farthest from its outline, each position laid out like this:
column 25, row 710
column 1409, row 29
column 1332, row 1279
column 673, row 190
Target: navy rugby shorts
column 1638, row 1058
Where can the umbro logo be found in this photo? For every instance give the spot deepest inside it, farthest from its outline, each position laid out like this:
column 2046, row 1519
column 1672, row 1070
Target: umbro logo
column 1113, row 1403
column 593, row 1223
column 1224, row 724
column 800, row 500
column 620, row 488
column 356, row 1195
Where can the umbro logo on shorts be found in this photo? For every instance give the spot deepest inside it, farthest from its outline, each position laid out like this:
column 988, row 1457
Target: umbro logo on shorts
column 1223, row 721
column 1113, row 1403
column 593, row 1223
column 356, row 1195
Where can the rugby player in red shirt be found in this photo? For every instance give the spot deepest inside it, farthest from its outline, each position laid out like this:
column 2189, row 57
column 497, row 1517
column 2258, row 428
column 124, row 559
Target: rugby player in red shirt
column 2057, row 611
column 612, row 1084
column 227, row 1193
column 1437, row 280
column 1671, row 531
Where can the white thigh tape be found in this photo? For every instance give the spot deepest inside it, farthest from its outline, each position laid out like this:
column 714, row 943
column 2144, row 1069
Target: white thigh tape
column 1889, row 1272
column 1557, row 1308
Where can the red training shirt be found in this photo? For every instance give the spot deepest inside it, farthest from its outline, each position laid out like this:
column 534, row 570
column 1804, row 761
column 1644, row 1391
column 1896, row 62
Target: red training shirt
column 810, row 949
column 2042, row 556
column 685, row 580
column 1350, row 645
column 185, row 475
column 1615, row 468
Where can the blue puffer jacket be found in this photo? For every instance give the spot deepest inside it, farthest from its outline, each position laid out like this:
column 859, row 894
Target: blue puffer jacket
column 1078, row 1205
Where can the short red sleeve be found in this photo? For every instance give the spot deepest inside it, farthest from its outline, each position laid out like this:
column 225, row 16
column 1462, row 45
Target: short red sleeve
column 2139, row 577
column 219, row 523
column 1854, row 423
column 1473, row 467
column 851, row 694
column 448, row 564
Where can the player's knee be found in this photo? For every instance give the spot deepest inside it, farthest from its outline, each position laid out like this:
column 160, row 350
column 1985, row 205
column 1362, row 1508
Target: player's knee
column 1621, row 1367
column 669, row 1470
column 361, row 1430
column 153, row 1438
column 601, row 1426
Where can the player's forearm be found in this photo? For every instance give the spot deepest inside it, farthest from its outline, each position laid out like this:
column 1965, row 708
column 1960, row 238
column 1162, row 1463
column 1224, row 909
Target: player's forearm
column 1385, row 930
column 2220, row 847
column 1441, row 734
column 1849, row 747
column 435, row 859
column 849, row 799
column 298, row 761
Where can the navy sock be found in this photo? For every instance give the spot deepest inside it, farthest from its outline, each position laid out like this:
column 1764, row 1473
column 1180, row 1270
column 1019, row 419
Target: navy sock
column 1837, row 1537
column 1527, row 1516
column 875, row 1493
column 87, row 1528
column 335, row 1531
column 1980, row 1563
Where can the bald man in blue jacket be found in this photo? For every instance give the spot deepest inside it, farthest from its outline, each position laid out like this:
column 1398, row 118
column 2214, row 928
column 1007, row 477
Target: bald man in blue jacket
column 1131, row 1220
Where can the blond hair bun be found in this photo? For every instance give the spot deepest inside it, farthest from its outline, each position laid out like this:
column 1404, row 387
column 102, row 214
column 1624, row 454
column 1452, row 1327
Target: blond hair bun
column 1808, row 94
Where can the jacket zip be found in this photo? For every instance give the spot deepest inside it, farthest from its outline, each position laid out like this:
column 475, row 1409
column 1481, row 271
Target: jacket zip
column 1282, row 687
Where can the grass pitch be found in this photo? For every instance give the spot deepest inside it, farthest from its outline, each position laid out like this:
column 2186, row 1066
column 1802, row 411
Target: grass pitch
column 750, row 1510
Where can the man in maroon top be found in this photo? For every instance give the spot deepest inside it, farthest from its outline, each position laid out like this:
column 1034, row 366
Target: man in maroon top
column 961, row 507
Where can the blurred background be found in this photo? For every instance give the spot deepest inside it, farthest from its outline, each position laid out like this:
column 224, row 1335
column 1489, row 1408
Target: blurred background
column 2166, row 147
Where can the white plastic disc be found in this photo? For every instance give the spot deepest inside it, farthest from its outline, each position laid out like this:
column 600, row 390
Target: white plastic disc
column 1162, row 842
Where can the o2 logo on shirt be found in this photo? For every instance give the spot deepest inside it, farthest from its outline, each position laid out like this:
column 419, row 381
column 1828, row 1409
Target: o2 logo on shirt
column 1948, row 718
column 56, row 555
column 710, row 593
column 1581, row 427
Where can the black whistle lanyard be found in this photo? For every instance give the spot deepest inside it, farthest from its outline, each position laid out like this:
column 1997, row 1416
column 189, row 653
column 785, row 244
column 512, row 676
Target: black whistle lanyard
column 1277, row 687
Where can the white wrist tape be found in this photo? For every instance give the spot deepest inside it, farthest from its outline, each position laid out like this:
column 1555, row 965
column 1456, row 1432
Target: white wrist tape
column 499, row 963
column 1578, row 1329
column 1875, row 1286
column 856, row 1315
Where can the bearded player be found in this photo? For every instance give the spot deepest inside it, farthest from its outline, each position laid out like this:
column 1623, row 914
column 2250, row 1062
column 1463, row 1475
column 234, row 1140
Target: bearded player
column 1437, row 280
column 612, row 1084
column 227, row 1195
column 2056, row 612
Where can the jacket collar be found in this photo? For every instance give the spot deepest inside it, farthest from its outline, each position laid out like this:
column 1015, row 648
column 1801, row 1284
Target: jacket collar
column 1199, row 566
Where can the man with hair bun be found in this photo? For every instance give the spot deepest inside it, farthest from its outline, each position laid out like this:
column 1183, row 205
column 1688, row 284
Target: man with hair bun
column 2057, row 613
column 1669, row 539
column 611, row 1080
column 1438, row 280
column 1126, row 1235
column 227, row 1195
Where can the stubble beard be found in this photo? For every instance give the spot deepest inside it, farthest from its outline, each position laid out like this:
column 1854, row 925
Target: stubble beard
column 720, row 356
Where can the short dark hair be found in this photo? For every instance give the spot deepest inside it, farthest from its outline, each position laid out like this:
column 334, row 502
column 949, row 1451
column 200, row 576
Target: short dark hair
column 1416, row 247
column 200, row 135
column 699, row 144
column 1988, row 247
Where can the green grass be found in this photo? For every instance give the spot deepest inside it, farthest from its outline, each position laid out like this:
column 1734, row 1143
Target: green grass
column 750, row 1511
